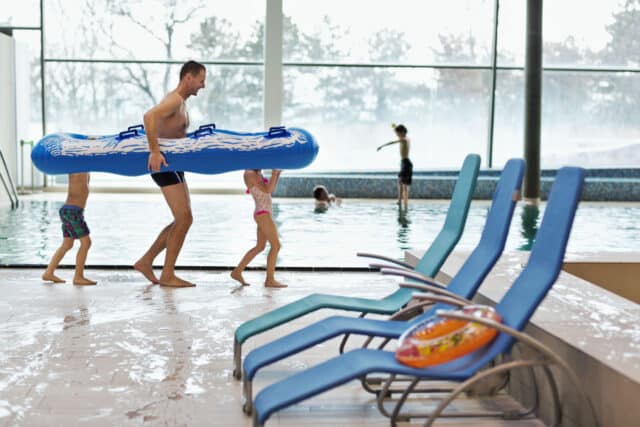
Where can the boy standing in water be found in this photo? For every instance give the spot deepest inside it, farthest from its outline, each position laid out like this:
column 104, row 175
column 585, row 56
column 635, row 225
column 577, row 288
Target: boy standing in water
column 73, row 227
column 406, row 167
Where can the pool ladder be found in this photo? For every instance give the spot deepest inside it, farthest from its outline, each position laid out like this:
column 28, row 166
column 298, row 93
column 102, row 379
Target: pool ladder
column 10, row 189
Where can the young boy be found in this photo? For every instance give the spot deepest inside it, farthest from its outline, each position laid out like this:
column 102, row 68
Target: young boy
column 406, row 167
column 73, row 227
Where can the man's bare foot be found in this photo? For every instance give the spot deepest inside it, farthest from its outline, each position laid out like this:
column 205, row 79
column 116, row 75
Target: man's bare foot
column 236, row 275
column 83, row 281
column 50, row 277
column 147, row 271
column 175, row 282
column 274, row 284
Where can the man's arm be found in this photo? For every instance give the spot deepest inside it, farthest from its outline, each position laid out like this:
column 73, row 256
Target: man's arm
column 164, row 109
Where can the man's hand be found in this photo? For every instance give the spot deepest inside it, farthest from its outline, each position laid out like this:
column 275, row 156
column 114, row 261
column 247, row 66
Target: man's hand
column 156, row 161
column 276, row 172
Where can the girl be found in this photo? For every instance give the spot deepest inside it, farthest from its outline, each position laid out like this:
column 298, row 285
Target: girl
column 261, row 188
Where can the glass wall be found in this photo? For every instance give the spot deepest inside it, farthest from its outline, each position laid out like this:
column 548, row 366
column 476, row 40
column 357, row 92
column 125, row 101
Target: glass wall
column 351, row 110
column 590, row 89
column 174, row 30
column 354, row 68
column 24, row 13
column 379, row 31
column 350, row 70
column 115, row 60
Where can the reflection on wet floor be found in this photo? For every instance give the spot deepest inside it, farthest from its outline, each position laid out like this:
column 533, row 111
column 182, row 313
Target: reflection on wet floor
column 126, row 352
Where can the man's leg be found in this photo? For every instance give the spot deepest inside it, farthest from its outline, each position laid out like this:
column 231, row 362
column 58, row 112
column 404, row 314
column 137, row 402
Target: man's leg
column 145, row 264
column 177, row 197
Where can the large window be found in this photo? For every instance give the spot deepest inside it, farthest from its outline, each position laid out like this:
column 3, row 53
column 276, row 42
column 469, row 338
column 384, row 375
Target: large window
column 380, row 31
column 154, row 29
column 98, row 98
column 114, row 61
column 350, row 69
column 351, row 111
column 354, row 68
column 588, row 118
column 24, row 13
column 590, row 87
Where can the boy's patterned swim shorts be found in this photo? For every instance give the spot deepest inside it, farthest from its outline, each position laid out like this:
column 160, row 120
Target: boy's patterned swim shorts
column 73, row 224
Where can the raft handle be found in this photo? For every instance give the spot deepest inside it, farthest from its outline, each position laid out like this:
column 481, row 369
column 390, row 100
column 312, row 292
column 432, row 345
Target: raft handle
column 127, row 134
column 136, row 127
column 277, row 131
column 204, row 130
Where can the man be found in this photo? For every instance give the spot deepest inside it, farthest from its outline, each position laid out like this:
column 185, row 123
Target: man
column 169, row 119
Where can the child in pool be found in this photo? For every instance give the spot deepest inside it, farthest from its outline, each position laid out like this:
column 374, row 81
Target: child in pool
column 323, row 198
column 260, row 189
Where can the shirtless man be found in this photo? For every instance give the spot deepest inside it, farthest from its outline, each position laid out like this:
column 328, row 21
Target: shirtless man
column 169, row 119
column 74, row 228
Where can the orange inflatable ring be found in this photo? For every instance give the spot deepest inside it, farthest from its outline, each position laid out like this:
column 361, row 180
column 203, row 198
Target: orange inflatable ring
column 440, row 340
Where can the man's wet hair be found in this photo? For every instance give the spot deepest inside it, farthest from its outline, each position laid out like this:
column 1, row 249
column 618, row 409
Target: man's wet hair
column 191, row 67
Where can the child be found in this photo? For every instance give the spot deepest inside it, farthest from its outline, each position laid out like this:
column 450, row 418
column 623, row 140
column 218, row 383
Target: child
column 73, row 227
column 261, row 188
column 323, row 198
column 406, row 167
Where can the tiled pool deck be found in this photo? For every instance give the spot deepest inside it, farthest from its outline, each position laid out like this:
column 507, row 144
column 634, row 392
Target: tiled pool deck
column 127, row 353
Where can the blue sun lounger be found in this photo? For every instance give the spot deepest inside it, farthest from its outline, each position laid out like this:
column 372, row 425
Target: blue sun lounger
column 462, row 286
column 429, row 266
column 516, row 308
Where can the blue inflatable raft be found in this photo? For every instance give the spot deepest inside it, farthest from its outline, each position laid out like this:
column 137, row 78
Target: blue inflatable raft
column 207, row 150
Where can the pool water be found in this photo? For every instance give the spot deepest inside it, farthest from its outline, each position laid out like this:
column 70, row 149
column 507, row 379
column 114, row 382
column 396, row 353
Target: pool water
column 122, row 227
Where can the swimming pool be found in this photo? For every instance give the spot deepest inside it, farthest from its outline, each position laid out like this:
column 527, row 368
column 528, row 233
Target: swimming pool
column 122, row 227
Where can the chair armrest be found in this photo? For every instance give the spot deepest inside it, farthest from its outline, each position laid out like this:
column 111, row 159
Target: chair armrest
column 400, row 313
column 434, row 290
column 385, row 258
column 413, row 275
column 380, row 266
column 439, row 298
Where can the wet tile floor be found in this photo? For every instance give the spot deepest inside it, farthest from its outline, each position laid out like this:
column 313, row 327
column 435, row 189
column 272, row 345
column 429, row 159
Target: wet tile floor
column 128, row 353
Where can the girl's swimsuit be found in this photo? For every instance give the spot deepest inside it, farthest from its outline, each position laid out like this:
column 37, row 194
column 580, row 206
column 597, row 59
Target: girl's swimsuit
column 262, row 199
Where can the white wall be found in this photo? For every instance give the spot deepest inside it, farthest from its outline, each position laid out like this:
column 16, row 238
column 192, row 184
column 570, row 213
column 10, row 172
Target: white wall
column 8, row 137
column 26, row 127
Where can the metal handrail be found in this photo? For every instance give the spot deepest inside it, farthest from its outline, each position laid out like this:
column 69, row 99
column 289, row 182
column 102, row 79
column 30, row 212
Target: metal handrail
column 11, row 193
column 4, row 184
column 21, row 184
